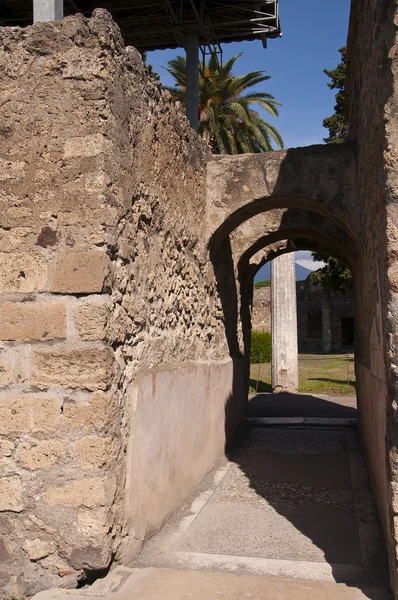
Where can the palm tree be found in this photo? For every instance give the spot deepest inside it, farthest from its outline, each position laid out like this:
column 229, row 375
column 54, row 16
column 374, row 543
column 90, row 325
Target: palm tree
column 227, row 120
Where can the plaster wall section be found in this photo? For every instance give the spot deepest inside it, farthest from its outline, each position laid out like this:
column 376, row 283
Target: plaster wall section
column 104, row 275
column 373, row 66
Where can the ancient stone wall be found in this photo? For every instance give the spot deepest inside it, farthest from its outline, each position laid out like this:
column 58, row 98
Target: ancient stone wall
column 373, row 99
column 309, row 314
column 104, row 276
column 261, row 309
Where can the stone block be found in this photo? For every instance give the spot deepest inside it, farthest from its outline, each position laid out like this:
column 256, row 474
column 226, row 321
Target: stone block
column 91, row 320
column 81, row 272
column 30, row 412
column 94, row 450
column 85, row 146
column 37, row 548
column 5, row 373
column 97, row 491
column 32, row 321
column 11, row 494
column 394, row 494
column 93, row 522
column 96, row 413
column 22, row 272
column 39, row 455
column 6, row 448
column 89, row 368
column 11, row 170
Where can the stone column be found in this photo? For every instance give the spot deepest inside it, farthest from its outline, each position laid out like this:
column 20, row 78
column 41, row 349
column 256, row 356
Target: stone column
column 48, row 10
column 284, row 324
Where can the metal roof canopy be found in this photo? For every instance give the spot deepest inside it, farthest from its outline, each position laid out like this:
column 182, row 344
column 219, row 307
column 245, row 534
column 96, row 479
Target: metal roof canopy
column 160, row 24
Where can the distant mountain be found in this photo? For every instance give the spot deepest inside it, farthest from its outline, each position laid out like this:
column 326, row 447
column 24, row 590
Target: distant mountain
column 265, row 273
column 302, row 272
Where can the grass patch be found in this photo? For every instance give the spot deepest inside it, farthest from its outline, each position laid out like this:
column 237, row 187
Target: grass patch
column 318, row 374
column 262, row 284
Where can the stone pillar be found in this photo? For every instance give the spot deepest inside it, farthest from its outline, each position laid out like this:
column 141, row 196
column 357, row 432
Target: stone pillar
column 48, row 10
column 192, row 51
column 326, row 323
column 284, row 324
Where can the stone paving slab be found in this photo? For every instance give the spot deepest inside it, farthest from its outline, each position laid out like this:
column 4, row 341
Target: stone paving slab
column 172, row 584
column 319, row 421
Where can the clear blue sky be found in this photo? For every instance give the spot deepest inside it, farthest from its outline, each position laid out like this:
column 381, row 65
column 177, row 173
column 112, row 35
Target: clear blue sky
column 313, row 30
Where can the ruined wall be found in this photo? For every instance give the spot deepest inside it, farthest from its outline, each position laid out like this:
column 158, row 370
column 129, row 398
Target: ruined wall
column 104, row 277
column 261, row 309
column 309, row 307
column 373, row 66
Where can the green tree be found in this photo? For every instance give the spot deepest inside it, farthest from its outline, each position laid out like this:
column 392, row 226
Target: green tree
column 337, row 123
column 152, row 73
column 334, row 277
column 227, row 120
column 262, row 284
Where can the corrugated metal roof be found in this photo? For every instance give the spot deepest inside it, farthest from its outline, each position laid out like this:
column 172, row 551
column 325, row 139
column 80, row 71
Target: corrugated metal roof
column 159, row 24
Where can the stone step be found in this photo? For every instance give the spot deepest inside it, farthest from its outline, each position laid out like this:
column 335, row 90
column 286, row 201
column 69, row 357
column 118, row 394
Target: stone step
column 301, row 421
column 172, row 584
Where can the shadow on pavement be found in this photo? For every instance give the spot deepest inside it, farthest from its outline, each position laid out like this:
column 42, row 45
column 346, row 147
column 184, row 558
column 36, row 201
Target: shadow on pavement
column 317, row 481
column 301, row 405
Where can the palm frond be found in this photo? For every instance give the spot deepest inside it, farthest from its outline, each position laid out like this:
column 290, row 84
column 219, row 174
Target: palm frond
column 227, row 118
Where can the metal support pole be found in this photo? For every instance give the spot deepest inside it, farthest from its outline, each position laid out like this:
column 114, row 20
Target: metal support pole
column 192, row 51
column 48, row 10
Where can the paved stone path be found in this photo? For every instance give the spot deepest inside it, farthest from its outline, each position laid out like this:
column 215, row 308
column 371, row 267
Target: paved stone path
column 171, row 584
column 287, row 503
column 287, row 515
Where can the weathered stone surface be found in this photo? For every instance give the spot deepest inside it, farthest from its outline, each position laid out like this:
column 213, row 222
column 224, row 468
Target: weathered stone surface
column 91, row 320
column 11, row 493
column 22, row 272
column 89, row 145
column 6, row 448
column 30, row 412
column 11, row 170
column 95, row 413
column 5, row 373
column 81, row 272
column 5, row 556
column 89, row 368
column 39, row 454
column 32, row 321
column 87, row 557
column 92, row 522
column 39, row 548
column 94, row 450
column 97, row 491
